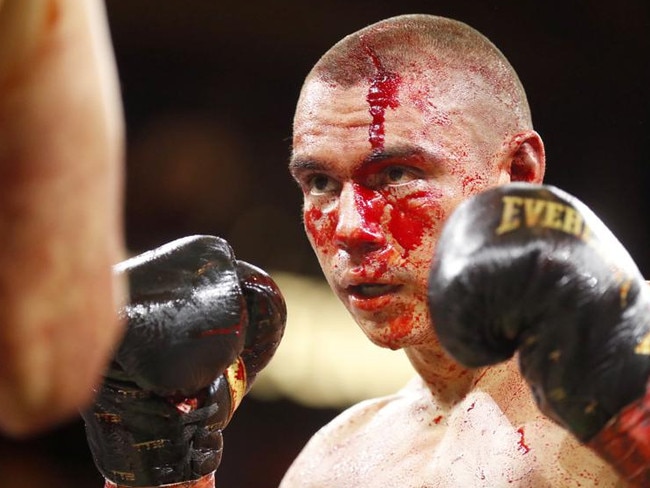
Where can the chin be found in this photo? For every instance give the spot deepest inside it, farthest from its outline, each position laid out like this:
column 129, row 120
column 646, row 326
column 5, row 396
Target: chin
column 383, row 335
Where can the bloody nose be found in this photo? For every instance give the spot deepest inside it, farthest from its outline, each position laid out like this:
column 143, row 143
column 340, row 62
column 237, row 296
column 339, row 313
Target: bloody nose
column 359, row 225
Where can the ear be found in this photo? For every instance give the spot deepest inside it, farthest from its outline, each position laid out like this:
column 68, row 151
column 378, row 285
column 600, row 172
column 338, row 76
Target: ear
column 525, row 158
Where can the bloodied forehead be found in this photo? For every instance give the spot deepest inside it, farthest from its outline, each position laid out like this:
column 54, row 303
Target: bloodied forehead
column 390, row 111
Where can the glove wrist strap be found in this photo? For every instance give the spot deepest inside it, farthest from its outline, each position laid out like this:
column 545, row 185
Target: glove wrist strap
column 623, row 441
column 206, row 481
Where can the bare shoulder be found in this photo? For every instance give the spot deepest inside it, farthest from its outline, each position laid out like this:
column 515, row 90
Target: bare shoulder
column 334, row 445
column 319, row 456
column 371, row 414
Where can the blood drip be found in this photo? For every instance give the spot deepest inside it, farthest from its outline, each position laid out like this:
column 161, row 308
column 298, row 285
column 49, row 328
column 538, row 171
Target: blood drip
column 523, row 447
column 382, row 94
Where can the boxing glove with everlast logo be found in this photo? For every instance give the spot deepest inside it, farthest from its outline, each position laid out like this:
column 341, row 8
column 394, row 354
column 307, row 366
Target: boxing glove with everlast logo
column 529, row 269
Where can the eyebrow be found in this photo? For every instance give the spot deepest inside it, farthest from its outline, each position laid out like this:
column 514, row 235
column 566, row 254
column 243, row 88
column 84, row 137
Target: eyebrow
column 399, row 152
column 299, row 165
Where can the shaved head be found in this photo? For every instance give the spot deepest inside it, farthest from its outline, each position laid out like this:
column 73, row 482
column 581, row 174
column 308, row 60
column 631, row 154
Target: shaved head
column 432, row 52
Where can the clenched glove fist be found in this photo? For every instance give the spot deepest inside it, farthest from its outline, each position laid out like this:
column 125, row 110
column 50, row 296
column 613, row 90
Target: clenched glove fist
column 529, row 269
column 200, row 325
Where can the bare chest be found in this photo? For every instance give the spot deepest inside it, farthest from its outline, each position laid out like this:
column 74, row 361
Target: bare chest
column 419, row 447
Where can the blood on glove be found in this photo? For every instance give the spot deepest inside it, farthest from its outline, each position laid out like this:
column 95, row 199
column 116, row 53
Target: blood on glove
column 200, row 326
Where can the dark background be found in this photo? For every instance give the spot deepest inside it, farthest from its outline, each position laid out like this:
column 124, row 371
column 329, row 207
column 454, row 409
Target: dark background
column 209, row 88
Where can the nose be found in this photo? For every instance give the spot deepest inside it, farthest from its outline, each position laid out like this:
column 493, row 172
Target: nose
column 359, row 223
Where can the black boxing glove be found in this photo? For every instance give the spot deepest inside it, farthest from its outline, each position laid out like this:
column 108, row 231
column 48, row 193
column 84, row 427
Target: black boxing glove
column 200, row 326
column 529, row 269
column 267, row 314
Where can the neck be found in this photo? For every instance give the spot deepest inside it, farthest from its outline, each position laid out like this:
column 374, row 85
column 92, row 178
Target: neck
column 448, row 381
column 206, row 481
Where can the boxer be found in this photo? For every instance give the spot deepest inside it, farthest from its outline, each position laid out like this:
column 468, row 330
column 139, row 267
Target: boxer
column 395, row 126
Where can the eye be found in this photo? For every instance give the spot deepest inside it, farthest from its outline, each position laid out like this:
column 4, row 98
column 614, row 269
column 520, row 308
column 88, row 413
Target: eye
column 398, row 175
column 320, row 184
column 395, row 174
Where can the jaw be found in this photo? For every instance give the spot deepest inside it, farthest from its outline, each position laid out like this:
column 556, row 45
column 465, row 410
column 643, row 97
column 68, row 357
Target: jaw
column 402, row 321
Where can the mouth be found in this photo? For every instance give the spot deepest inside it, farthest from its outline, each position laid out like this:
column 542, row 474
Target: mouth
column 372, row 290
column 371, row 297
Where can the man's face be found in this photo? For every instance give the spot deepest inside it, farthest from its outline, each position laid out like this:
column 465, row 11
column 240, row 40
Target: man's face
column 379, row 177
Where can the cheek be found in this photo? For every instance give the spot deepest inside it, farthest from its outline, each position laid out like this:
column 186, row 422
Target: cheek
column 320, row 228
column 414, row 219
column 472, row 178
column 474, row 183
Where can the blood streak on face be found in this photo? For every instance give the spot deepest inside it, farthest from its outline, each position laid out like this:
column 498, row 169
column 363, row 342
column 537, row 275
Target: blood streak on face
column 410, row 219
column 320, row 227
column 370, row 206
column 382, row 94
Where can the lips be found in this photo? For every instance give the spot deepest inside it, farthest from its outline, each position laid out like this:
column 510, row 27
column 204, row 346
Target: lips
column 371, row 297
column 371, row 290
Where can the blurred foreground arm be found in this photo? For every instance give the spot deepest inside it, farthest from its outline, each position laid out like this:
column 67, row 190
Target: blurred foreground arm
column 61, row 157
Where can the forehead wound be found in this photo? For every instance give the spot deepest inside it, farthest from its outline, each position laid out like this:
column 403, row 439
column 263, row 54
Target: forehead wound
column 380, row 89
column 383, row 94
